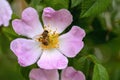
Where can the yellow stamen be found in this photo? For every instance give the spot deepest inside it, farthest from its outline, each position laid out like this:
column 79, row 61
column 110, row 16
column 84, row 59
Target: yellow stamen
column 49, row 40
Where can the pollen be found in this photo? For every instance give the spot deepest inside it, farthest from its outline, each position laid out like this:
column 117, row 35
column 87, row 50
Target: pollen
column 49, row 40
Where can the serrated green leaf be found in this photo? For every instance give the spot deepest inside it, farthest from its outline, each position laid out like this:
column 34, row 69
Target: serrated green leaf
column 93, row 7
column 75, row 3
column 100, row 73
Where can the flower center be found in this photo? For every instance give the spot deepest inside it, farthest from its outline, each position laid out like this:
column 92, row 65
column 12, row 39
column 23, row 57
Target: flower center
column 49, row 40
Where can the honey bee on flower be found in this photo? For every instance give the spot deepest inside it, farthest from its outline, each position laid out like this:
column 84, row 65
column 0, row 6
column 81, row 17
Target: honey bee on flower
column 44, row 38
column 45, row 45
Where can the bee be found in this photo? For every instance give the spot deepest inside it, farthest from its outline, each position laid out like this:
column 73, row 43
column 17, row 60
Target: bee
column 45, row 37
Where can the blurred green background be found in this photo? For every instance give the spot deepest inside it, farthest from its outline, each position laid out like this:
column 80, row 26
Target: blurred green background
column 99, row 18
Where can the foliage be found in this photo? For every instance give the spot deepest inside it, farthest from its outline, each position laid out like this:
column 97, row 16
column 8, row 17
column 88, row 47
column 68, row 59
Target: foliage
column 93, row 7
column 100, row 57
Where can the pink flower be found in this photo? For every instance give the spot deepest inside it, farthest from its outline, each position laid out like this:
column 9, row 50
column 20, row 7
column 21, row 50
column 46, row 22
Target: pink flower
column 5, row 13
column 45, row 45
column 68, row 73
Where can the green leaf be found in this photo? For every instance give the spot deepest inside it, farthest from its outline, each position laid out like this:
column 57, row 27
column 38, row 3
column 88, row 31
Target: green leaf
column 93, row 58
column 100, row 73
column 93, row 7
column 82, row 62
column 4, row 44
column 9, row 33
column 8, row 68
column 56, row 4
column 75, row 3
column 34, row 3
column 26, row 70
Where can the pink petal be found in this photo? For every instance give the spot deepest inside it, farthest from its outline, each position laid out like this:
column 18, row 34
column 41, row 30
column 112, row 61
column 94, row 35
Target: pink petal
column 40, row 74
column 71, row 43
column 71, row 74
column 52, row 59
column 5, row 13
column 31, row 17
column 29, row 25
column 56, row 20
column 27, row 51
